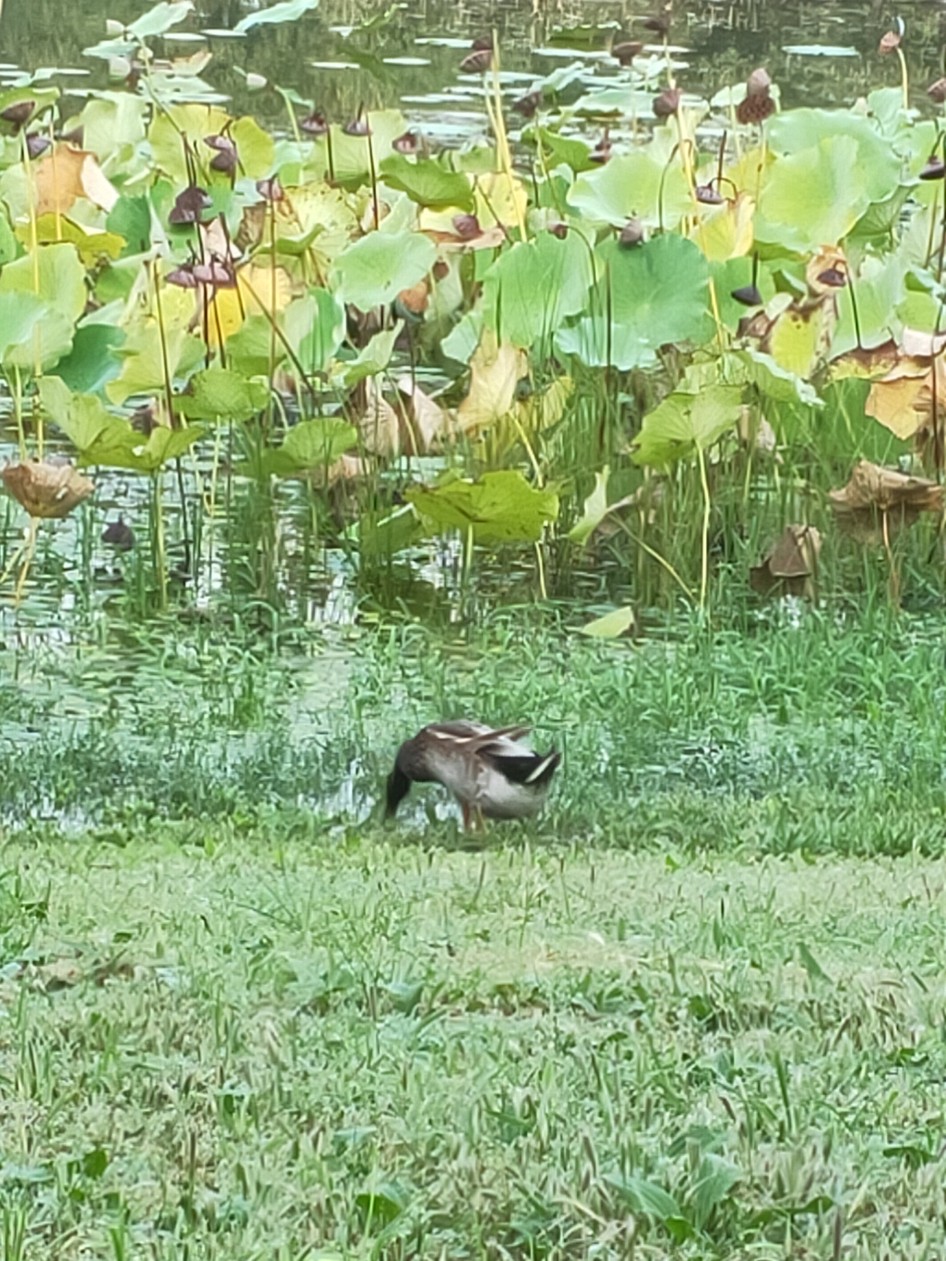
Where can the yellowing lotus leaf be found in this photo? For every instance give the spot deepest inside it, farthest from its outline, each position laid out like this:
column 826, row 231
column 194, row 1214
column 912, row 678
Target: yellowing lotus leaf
column 495, row 371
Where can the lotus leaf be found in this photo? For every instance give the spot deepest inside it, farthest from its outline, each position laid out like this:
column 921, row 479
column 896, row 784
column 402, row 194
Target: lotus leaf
column 374, row 270
column 501, row 507
column 533, row 286
column 658, row 296
column 428, row 182
column 221, row 394
column 684, row 424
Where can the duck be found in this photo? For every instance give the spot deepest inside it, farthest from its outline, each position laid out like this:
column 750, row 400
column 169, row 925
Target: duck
column 489, row 772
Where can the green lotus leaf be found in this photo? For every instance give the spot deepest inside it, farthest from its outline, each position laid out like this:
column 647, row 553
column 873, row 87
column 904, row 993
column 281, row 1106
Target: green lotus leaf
column 427, row 182
column 658, row 296
column 630, row 184
column 685, row 424
column 533, row 286
column 222, row 394
column 500, row 507
column 373, row 271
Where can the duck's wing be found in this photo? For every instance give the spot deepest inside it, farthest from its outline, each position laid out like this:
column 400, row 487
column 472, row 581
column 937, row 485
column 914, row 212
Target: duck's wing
column 519, row 767
column 474, row 737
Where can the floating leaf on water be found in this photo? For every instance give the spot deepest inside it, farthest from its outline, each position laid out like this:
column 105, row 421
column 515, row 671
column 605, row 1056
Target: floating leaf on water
column 46, row 490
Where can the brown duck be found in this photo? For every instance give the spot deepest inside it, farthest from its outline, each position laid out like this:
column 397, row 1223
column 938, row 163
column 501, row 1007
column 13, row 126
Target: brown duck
column 488, row 771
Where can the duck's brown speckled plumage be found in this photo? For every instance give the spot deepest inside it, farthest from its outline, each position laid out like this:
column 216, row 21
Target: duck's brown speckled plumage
column 486, row 769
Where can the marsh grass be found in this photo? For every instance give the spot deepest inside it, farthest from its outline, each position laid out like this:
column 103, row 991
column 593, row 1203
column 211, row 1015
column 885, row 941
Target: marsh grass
column 818, row 732
column 269, row 1046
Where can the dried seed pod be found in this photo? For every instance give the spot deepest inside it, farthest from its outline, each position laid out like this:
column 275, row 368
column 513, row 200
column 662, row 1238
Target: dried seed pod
column 748, row 295
column 270, row 189
column 528, row 104
column 409, row 143
column 667, row 103
column 934, row 169
column 602, row 150
column 314, row 124
column 708, row 195
column 660, row 24
column 466, row 227
column 632, row 234
column 215, row 272
column 625, row 52
column 832, row 277
column 18, row 113
column 478, row 61
column 357, row 127
column 188, row 206
column 757, row 105
column 889, row 43
column 183, row 277
column 120, row 535
column 37, row 144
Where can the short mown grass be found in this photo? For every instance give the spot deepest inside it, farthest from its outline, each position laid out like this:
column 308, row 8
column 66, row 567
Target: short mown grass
column 282, row 1047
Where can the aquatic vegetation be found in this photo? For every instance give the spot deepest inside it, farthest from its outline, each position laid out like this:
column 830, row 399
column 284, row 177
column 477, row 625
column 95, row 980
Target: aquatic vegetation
column 720, row 313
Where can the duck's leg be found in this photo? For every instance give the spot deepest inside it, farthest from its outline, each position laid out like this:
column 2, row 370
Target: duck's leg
column 478, row 816
column 467, row 815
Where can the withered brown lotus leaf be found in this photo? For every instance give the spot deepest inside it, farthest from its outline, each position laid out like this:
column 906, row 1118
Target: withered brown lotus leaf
column 877, row 501
column 790, row 566
column 46, row 490
column 889, row 42
column 937, row 91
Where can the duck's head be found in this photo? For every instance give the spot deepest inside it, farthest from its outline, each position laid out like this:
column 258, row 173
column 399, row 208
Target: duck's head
column 396, row 789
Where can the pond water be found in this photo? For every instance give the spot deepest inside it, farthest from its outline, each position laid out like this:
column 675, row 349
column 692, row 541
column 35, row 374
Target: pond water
column 347, row 55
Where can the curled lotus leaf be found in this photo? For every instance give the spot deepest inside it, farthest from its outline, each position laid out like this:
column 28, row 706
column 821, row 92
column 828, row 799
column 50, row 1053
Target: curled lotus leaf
column 790, row 565
column 878, row 501
column 46, row 489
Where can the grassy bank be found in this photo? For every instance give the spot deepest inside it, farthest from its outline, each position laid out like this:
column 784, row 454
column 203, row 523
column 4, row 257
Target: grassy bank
column 822, row 737
column 280, row 1048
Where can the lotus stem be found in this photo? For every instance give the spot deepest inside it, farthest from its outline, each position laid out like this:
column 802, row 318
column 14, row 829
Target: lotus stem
column 158, row 544
column 29, row 548
column 904, row 77
column 540, row 567
column 375, row 204
column 704, row 543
